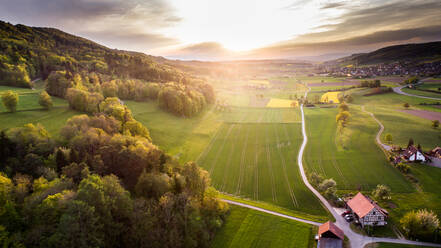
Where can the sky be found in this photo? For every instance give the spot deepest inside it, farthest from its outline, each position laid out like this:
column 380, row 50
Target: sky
column 236, row 29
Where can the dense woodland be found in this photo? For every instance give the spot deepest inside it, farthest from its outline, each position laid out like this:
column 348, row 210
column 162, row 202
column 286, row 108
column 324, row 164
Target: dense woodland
column 81, row 70
column 102, row 184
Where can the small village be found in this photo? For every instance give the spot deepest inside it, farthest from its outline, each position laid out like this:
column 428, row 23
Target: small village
column 383, row 69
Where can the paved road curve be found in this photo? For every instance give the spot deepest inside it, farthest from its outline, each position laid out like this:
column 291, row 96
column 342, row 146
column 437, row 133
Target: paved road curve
column 272, row 212
column 398, row 90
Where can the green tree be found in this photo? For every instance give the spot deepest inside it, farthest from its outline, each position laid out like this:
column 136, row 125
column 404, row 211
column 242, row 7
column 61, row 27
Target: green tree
column 343, row 107
column 326, row 184
column 381, row 192
column 435, row 123
column 343, row 118
column 420, row 224
column 79, row 227
column 10, row 100
column 45, row 100
column 153, row 185
column 388, row 138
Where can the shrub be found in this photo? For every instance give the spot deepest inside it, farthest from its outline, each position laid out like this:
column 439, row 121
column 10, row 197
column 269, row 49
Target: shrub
column 45, row 100
column 420, row 224
column 381, row 192
column 10, row 100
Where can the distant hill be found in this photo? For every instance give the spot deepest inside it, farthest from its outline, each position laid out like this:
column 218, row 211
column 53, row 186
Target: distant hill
column 32, row 52
column 423, row 52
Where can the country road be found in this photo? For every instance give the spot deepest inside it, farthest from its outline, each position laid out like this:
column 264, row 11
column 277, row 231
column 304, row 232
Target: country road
column 378, row 137
column 272, row 212
column 398, row 90
column 356, row 240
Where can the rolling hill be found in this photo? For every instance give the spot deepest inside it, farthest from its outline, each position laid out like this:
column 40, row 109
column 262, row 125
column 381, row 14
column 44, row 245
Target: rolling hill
column 400, row 53
column 34, row 52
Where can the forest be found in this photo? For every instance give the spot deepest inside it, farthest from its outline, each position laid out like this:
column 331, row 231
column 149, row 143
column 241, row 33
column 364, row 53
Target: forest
column 102, row 183
column 85, row 72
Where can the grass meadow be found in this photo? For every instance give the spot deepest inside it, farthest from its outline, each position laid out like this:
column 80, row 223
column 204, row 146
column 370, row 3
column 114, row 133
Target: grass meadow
column 29, row 111
column 249, row 228
column 351, row 158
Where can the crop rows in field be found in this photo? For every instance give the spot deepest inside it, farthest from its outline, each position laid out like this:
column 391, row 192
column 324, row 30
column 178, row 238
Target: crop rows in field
column 262, row 115
column 258, row 161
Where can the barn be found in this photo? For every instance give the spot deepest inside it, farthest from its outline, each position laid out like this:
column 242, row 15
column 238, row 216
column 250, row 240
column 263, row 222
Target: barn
column 330, row 236
column 367, row 211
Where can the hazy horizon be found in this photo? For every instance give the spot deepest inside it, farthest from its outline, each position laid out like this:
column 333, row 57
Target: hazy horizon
column 229, row 30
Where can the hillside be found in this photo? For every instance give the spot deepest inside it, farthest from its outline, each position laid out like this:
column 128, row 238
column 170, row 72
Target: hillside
column 32, row 52
column 401, row 53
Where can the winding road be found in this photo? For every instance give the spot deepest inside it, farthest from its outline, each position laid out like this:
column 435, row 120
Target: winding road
column 378, row 137
column 356, row 240
column 398, row 90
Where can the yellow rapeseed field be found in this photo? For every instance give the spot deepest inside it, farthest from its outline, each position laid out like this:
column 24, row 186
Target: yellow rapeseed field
column 280, row 103
column 330, row 97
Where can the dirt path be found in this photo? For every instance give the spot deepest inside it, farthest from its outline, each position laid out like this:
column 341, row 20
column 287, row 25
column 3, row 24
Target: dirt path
column 378, row 137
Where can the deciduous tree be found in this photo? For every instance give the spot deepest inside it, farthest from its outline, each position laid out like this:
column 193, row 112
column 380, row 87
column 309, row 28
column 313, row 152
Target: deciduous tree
column 10, row 100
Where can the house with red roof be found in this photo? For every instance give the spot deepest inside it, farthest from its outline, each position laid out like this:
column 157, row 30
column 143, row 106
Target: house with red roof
column 330, row 236
column 367, row 211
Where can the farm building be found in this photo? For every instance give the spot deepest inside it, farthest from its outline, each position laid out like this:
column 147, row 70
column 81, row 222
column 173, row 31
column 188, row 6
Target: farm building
column 412, row 154
column 330, row 236
column 367, row 211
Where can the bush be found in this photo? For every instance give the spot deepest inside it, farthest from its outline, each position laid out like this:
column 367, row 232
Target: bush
column 10, row 100
column 403, row 167
column 420, row 224
column 45, row 100
column 381, row 192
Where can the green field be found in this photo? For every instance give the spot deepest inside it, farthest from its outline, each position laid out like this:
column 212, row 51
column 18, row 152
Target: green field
column 29, row 111
column 258, row 161
column 184, row 138
column 421, row 92
column 262, row 115
column 385, row 109
column 250, row 228
column 352, row 159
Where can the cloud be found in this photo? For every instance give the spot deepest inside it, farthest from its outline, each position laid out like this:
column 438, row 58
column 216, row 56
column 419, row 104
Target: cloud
column 370, row 18
column 367, row 42
column 203, row 51
column 332, row 5
column 126, row 24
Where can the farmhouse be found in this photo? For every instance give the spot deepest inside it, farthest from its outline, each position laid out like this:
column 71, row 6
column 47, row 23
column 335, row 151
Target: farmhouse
column 412, row 154
column 367, row 211
column 330, row 236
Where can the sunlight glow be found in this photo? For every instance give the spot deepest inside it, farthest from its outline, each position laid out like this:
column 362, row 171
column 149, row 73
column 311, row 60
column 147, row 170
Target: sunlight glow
column 245, row 24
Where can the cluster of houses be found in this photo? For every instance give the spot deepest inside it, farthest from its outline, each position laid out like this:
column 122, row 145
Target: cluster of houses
column 397, row 68
column 366, row 213
column 414, row 154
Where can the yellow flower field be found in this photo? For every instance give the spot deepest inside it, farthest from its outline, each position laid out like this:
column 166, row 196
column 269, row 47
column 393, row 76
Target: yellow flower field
column 330, row 97
column 280, row 103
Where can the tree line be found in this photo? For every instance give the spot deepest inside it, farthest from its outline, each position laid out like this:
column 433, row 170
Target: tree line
column 86, row 92
column 103, row 183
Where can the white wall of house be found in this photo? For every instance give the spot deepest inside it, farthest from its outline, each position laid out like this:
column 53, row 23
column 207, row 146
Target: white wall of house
column 374, row 218
column 418, row 156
